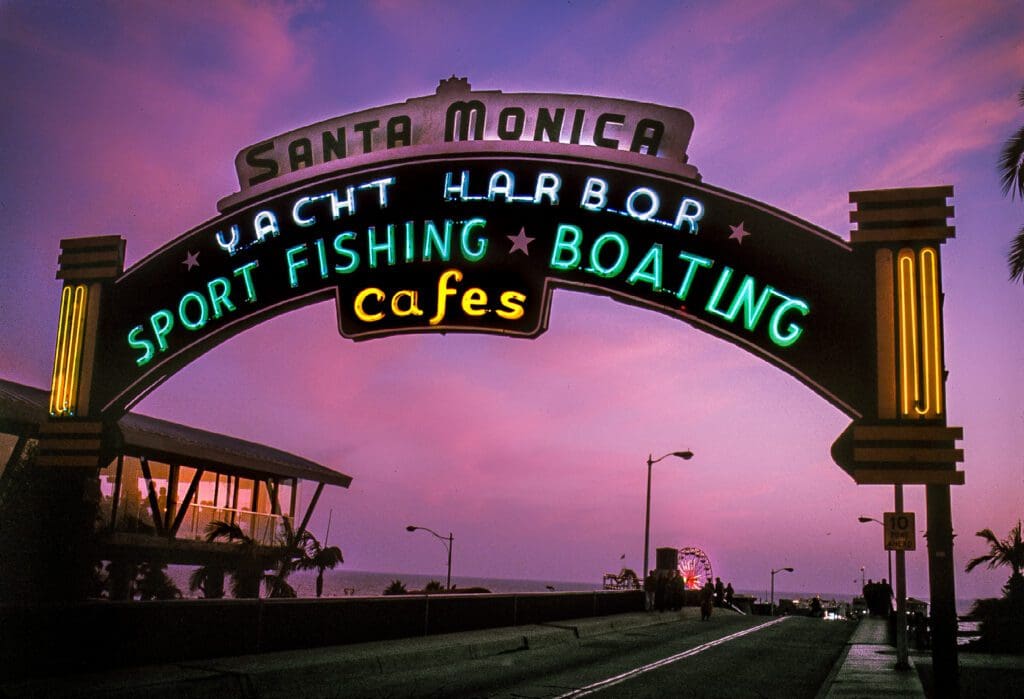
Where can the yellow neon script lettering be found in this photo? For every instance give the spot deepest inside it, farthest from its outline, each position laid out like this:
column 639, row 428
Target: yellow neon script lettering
column 361, row 299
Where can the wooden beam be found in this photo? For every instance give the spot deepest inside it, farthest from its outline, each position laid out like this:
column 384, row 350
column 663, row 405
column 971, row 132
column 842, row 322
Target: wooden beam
column 180, row 516
column 154, row 504
column 172, row 494
column 117, row 492
column 309, row 511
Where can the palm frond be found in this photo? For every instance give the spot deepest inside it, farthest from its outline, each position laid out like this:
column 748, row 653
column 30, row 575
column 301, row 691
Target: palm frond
column 230, row 531
column 1011, row 165
column 975, row 562
column 1015, row 259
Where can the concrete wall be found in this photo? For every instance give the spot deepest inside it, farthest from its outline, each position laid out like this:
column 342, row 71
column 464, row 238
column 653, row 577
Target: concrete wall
column 57, row 639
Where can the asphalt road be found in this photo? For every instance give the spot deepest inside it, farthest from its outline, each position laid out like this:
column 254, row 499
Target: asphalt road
column 730, row 656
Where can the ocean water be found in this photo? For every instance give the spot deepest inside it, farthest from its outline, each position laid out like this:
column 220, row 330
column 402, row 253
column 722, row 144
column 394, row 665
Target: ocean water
column 348, row 583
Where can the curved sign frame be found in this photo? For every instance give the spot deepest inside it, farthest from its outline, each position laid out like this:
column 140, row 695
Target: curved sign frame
column 478, row 243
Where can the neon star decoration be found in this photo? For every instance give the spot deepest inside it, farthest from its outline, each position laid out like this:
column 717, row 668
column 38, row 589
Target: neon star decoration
column 191, row 260
column 738, row 233
column 521, row 241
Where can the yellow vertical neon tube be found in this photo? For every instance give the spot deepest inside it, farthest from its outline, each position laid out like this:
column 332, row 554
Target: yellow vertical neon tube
column 909, row 380
column 931, row 344
column 68, row 353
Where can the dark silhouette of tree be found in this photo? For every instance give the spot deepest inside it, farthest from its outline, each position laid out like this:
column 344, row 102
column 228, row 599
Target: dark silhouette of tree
column 319, row 558
column 397, row 587
column 209, row 580
column 152, row 582
column 246, row 572
column 1011, row 171
column 293, row 552
column 433, row 586
column 1003, row 552
column 1002, row 619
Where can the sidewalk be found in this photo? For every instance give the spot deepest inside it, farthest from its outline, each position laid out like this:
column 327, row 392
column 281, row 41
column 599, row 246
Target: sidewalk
column 868, row 669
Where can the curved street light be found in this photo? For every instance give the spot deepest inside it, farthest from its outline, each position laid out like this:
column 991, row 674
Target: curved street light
column 685, row 456
column 446, row 540
column 774, row 571
column 864, row 520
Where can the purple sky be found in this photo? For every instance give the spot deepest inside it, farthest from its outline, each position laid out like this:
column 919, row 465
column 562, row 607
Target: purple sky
column 124, row 118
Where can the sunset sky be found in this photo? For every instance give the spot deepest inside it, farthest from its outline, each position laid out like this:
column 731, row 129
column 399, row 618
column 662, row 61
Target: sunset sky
column 124, row 118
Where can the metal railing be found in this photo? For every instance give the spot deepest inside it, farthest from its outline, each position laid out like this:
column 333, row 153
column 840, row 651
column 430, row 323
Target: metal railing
column 261, row 527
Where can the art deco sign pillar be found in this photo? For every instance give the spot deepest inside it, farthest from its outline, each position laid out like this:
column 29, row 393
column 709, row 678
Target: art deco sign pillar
column 909, row 441
column 73, row 435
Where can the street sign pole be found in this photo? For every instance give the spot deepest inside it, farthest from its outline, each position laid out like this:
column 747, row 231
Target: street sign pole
column 902, row 661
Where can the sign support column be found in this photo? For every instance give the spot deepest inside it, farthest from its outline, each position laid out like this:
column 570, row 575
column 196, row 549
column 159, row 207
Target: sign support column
column 73, row 442
column 908, row 441
column 902, row 660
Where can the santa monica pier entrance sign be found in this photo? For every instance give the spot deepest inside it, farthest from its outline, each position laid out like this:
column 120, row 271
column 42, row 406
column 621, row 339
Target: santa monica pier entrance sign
column 463, row 211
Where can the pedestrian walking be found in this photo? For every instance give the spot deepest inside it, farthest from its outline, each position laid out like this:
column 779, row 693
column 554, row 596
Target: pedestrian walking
column 707, row 601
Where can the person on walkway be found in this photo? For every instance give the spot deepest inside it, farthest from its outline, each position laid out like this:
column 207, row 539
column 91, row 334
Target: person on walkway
column 886, row 596
column 728, row 595
column 719, row 592
column 649, row 591
column 660, row 592
column 707, row 600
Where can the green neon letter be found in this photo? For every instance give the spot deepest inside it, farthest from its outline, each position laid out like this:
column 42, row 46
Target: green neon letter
column 432, row 240
column 135, row 343
column 162, row 323
column 695, row 261
column 652, row 259
column 373, row 247
column 246, row 273
column 595, row 255
column 562, row 244
column 793, row 331
column 294, row 264
column 219, row 298
column 351, row 255
column 204, row 310
column 481, row 241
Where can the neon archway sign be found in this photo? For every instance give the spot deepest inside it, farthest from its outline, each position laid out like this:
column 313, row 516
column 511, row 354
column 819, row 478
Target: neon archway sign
column 463, row 211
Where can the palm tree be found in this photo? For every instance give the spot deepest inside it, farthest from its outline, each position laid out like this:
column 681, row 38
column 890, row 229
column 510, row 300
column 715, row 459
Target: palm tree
column 1011, row 170
column 397, row 587
column 320, row 558
column 293, row 553
column 153, row 582
column 247, row 572
column 209, row 580
column 1003, row 552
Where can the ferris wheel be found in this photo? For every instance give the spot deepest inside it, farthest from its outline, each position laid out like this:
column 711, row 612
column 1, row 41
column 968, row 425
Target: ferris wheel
column 694, row 567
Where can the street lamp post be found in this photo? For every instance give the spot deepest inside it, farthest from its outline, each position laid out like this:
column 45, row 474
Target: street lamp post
column 447, row 541
column 685, row 456
column 774, row 571
column 863, row 520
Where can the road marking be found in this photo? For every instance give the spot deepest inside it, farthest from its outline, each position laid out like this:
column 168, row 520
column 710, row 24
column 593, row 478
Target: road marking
column 612, row 681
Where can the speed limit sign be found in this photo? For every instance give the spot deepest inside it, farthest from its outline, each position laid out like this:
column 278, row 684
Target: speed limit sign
column 899, row 531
